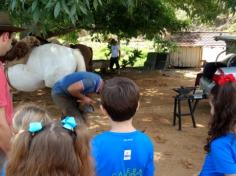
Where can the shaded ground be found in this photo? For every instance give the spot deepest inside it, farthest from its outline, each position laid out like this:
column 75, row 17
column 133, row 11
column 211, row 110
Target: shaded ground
column 177, row 153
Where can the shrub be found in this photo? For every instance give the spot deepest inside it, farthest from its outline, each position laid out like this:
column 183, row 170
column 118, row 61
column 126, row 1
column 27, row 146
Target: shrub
column 132, row 58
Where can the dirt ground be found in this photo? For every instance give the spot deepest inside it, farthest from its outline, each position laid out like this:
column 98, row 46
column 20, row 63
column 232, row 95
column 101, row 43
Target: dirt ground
column 177, row 153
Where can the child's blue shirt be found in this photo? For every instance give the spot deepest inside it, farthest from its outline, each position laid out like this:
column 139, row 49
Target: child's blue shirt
column 121, row 154
column 3, row 171
column 115, row 51
column 222, row 157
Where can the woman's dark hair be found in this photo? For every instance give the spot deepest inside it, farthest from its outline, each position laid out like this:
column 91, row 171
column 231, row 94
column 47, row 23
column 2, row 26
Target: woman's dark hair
column 223, row 120
column 120, row 98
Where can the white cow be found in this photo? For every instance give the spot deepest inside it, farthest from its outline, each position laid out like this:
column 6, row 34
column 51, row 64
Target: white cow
column 46, row 64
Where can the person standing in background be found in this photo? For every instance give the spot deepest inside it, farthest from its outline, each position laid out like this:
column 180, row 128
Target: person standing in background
column 115, row 55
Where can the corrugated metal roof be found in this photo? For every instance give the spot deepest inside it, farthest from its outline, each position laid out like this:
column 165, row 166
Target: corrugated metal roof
column 226, row 38
column 198, row 38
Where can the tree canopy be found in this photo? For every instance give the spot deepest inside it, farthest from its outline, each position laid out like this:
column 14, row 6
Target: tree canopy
column 125, row 18
column 205, row 10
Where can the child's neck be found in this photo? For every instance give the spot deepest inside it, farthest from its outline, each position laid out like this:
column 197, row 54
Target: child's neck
column 125, row 126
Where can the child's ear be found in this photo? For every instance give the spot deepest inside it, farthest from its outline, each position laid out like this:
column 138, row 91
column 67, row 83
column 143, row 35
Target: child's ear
column 104, row 112
column 138, row 106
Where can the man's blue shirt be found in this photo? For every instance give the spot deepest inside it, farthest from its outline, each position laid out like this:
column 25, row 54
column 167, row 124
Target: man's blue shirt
column 222, row 157
column 122, row 154
column 89, row 80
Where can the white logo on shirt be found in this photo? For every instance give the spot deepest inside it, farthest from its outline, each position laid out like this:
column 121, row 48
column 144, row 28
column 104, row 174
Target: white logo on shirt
column 127, row 154
column 128, row 140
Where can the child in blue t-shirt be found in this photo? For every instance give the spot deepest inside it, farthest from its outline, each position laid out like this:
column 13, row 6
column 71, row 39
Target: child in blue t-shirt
column 123, row 150
column 221, row 141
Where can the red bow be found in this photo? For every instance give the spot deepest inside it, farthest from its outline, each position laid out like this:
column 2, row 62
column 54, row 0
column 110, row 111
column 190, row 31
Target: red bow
column 222, row 79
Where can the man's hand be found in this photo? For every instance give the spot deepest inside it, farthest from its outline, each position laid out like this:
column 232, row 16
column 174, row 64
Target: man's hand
column 86, row 100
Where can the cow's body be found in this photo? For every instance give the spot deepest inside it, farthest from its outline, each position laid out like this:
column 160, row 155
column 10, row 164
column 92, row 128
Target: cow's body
column 45, row 65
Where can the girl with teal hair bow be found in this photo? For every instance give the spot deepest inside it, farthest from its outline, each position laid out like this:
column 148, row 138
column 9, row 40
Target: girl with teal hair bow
column 54, row 149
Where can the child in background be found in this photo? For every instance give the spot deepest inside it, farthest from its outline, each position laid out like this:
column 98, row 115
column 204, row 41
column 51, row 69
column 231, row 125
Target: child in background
column 221, row 141
column 52, row 149
column 115, row 54
column 123, row 150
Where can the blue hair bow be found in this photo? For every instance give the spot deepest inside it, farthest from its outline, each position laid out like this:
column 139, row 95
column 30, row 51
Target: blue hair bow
column 35, row 127
column 69, row 123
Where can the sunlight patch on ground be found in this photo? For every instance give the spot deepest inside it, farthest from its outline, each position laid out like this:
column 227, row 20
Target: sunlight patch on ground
column 157, row 156
column 151, row 92
column 97, row 121
column 148, row 101
column 147, row 119
column 150, row 109
column 200, row 125
column 40, row 93
column 190, row 75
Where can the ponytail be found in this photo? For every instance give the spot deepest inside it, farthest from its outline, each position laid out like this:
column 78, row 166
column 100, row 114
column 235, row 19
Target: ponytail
column 82, row 149
column 18, row 154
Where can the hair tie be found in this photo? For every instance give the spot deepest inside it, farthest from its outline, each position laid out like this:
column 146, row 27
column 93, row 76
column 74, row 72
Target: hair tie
column 35, row 127
column 69, row 123
column 222, row 79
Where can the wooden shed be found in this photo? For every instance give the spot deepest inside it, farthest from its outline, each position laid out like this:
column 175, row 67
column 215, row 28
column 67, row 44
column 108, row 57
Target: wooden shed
column 193, row 47
column 186, row 56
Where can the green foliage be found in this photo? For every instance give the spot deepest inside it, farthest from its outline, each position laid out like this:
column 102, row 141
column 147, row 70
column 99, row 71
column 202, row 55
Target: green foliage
column 232, row 28
column 163, row 46
column 50, row 17
column 71, row 37
column 205, row 10
column 132, row 58
column 101, row 52
column 125, row 18
column 148, row 18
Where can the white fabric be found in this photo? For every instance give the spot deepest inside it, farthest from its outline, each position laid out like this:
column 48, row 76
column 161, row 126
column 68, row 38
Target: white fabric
column 46, row 63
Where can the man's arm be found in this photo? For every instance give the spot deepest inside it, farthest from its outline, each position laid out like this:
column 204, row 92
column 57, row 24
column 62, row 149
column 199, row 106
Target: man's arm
column 76, row 89
column 5, row 132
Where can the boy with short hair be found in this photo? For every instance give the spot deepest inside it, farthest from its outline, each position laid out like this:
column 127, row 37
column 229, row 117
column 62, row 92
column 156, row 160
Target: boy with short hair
column 123, row 150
